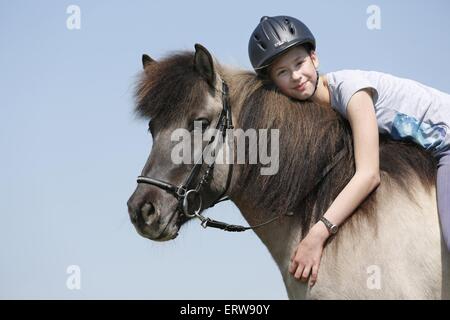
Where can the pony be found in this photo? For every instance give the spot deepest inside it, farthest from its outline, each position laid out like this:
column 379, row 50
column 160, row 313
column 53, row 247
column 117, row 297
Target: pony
column 390, row 248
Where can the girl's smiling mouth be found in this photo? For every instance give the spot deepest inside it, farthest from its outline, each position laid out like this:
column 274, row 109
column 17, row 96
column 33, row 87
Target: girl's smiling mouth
column 301, row 87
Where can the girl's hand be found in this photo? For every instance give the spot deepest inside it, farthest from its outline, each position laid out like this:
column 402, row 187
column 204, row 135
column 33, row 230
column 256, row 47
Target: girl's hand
column 306, row 257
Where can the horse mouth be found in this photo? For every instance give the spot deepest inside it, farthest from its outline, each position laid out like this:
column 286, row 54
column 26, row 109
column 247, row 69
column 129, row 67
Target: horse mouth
column 169, row 232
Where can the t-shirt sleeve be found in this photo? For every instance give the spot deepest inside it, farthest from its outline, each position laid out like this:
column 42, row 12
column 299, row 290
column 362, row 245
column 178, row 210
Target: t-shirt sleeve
column 346, row 86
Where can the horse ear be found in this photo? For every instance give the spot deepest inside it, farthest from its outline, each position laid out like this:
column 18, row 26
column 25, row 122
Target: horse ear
column 146, row 60
column 203, row 63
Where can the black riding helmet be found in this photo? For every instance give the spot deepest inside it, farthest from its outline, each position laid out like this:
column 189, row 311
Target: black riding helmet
column 274, row 36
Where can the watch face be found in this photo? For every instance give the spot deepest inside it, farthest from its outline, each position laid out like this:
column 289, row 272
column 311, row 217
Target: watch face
column 334, row 229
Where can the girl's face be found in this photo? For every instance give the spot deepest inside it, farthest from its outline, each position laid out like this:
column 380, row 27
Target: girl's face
column 294, row 73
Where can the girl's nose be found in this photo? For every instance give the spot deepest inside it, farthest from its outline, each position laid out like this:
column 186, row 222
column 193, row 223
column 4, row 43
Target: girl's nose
column 295, row 75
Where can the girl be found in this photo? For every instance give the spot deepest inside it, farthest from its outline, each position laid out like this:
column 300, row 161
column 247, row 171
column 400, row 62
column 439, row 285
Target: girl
column 282, row 49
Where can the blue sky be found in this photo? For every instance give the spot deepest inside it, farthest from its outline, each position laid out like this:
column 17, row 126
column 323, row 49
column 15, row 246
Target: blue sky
column 71, row 147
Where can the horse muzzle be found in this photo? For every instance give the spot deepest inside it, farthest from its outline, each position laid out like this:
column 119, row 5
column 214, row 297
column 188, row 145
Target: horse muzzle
column 152, row 221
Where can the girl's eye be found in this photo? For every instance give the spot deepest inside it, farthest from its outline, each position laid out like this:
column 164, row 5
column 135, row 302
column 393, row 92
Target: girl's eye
column 281, row 72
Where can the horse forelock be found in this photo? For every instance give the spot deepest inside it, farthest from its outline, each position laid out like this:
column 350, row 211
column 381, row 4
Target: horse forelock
column 169, row 88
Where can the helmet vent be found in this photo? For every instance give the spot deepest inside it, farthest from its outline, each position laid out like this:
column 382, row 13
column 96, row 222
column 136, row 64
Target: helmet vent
column 262, row 46
column 292, row 29
column 256, row 37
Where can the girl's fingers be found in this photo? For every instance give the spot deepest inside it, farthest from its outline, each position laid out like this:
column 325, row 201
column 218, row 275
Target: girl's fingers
column 315, row 271
column 293, row 254
column 305, row 273
column 299, row 272
column 293, row 266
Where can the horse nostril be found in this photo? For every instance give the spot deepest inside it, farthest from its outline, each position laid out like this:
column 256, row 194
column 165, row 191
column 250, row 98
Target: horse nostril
column 148, row 213
column 147, row 210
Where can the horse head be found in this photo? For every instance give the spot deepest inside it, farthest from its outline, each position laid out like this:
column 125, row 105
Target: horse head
column 176, row 94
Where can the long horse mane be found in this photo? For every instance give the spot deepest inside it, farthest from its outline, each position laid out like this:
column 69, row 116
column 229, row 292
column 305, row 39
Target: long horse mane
column 310, row 137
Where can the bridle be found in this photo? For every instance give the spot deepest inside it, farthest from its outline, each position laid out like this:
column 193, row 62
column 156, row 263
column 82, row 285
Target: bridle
column 183, row 192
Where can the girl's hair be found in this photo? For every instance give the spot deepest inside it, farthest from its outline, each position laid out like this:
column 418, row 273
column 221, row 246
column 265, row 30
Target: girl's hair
column 264, row 73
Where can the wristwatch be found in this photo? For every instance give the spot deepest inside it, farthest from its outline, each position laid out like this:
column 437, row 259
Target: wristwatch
column 332, row 228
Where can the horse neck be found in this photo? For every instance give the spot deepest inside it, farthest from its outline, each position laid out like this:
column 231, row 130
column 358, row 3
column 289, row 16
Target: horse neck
column 279, row 236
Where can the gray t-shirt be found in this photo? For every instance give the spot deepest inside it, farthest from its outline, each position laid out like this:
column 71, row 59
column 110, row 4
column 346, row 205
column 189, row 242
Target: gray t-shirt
column 405, row 109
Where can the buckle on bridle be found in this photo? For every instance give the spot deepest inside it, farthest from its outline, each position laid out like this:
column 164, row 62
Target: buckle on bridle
column 181, row 191
column 186, row 210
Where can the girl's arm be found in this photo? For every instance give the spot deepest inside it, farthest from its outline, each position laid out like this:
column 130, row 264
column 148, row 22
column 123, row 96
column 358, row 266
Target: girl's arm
column 361, row 115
